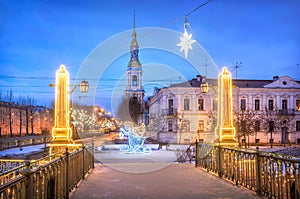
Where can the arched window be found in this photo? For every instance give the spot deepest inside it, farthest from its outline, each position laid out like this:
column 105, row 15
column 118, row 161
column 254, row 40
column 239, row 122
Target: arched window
column 134, row 80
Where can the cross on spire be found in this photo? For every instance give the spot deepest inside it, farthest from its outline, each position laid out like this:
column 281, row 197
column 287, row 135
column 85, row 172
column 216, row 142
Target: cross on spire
column 134, row 32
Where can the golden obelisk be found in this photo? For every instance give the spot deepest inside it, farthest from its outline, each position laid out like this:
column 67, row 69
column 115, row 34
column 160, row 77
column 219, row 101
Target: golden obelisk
column 61, row 137
column 225, row 131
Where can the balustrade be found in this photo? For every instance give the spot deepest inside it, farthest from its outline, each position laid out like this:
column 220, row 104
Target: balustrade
column 268, row 175
column 51, row 177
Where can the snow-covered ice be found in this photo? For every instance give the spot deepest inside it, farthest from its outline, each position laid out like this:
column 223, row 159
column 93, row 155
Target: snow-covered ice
column 22, row 150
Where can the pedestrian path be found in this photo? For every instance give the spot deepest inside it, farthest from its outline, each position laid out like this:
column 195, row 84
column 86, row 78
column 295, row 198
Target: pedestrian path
column 168, row 181
column 174, row 181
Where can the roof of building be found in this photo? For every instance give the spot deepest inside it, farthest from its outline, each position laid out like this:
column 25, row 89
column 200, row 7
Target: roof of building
column 241, row 83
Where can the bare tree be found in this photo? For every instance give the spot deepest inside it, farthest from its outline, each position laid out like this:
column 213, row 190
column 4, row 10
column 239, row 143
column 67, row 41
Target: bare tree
column 211, row 124
column 279, row 120
column 30, row 102
column 286, row 118
column 21, row 102
column 244, row 123
column 1, row 96
column 9, row 99
column 212, row 121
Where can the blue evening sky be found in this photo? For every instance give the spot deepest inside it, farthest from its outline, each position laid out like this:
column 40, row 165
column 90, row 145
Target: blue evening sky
column 37, row 36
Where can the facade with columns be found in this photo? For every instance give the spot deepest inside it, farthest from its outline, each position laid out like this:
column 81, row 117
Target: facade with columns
column 180, row 113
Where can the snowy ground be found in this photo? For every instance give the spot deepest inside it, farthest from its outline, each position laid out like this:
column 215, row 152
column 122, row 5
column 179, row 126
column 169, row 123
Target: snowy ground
column 22, row 150
column 289, row 150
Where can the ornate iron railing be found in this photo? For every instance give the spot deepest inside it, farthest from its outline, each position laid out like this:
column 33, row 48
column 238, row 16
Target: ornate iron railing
column 7, row 164
column 266, row 174
column 48, row 178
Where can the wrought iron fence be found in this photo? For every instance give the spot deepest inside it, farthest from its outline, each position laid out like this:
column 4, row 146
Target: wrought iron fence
column 266, row 174
column 48, row 178
column 8, row 164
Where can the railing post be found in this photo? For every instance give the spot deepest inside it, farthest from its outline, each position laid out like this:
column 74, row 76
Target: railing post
column 83, row 158
column 197, row 154
column 67, row 174
column 219, row 161
column 28, row 173
column 258, row 173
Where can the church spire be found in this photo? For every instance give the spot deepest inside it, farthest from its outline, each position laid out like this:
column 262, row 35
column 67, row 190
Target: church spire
column 134, row 49
column 134, row 72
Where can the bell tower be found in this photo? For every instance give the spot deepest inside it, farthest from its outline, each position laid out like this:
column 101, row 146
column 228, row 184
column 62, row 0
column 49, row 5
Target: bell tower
column 134, row 71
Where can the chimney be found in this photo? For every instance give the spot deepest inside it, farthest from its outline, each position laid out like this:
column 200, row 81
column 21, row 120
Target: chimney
column 275, row 78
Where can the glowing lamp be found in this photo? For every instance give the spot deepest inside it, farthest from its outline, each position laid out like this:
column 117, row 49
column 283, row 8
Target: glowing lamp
column 84, row 86
column 204, row 87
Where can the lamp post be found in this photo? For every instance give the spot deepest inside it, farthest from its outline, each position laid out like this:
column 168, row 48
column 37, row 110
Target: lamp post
column 84, row 87
column 45, row 136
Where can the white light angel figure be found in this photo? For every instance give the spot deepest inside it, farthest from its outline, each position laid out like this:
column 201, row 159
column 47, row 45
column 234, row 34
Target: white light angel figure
column 135, row 141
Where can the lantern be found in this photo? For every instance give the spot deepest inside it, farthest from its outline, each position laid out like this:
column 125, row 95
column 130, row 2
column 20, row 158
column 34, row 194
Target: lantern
column 84, row 86
column 204, row 87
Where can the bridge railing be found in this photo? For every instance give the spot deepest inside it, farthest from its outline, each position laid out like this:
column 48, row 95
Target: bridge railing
column 52, row 178
column 266, row 174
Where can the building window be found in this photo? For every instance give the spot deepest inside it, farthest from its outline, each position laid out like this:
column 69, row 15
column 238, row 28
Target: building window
column 170, row 106
column 170, row 125
column 215, row 104
column 297, row 105
column 200, row 125
column 297, row 125
column 284, row 104
column 256, row 105
column 271, row 126
column 257, row 126
column 200, row 104
column 186, row 104
column 134, row 80
column 271, row 105
column 243, row 104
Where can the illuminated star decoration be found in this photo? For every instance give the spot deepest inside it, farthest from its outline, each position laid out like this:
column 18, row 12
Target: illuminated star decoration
column 186, row 42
